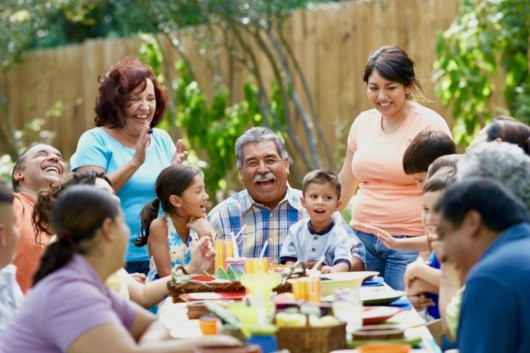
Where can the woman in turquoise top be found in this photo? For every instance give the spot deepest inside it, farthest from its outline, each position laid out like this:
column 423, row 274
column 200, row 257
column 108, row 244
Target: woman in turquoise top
column 126, row 146
column 170, row 238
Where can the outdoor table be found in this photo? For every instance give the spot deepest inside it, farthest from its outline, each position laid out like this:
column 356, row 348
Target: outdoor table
column 174, row 317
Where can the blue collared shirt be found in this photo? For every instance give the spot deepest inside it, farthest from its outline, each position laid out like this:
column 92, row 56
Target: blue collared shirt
column 264, row 224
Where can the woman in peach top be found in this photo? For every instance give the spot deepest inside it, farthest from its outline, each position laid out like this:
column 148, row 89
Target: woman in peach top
column 386, row 197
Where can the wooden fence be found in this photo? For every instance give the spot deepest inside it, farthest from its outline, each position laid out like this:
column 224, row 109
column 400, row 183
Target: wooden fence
column 331, row 42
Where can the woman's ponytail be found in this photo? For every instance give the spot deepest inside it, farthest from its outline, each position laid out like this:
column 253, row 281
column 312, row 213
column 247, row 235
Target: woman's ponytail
column 57, row 254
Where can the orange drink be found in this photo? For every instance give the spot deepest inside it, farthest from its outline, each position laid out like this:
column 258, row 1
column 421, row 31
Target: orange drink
column 208, row 325
column 257, row 264
column 307, row 289
column 224, row 249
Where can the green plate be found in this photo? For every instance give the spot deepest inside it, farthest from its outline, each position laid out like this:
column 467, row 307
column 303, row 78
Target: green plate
column 413, row 341
column 379, row 295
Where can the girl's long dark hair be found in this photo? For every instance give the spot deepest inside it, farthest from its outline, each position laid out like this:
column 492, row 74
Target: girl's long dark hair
column 42, row 210
column 76, row 216
column 173, row 180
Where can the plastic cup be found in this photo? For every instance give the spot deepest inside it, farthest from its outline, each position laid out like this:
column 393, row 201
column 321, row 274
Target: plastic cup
column 236, row 263
column 307, row 289
column 347, row 306
column 257, row 264
column 224, row 249
column 208, row 325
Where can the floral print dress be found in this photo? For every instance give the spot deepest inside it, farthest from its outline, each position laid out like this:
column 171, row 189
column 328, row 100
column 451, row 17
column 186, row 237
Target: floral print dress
column 179, row 252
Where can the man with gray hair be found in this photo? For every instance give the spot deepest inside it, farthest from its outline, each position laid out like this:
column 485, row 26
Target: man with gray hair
column 268, row 205
column 35, row 170
column 508, row 164
column 501, row 161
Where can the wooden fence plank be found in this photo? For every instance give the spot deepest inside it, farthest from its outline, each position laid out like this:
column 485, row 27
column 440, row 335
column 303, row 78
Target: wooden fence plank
column 331, row 43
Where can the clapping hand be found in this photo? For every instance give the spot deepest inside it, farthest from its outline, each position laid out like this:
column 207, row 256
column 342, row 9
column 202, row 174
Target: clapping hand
column 141, row 147
column 180, row 155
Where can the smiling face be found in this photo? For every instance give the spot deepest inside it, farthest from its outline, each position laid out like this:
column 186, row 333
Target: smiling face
column 264, row 173
column 388, row 97
column 193, row 201
column 42, row 166
column 320, row 201
column 459, row 245
column 140, row 109
column 429, row 218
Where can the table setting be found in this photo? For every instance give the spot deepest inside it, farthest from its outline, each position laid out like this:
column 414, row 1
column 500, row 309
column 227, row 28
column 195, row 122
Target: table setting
column 293, row 309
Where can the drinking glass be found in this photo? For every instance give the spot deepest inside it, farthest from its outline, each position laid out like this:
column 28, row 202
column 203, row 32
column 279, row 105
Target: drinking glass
column 224, row 249
column 348, row 307
column 307, row 289
column 256, row 264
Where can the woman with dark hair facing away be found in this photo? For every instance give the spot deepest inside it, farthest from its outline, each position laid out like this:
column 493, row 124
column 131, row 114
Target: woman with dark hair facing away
column 171, row 239
column 126, row 145
column 387, row 198
column 146, row 295
column 504, row 129
column 79, row 313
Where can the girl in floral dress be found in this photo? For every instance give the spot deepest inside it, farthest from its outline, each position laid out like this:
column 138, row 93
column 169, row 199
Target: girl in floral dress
column 171, row 236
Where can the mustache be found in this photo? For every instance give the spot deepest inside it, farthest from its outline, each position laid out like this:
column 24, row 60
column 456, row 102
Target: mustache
column 261, row 177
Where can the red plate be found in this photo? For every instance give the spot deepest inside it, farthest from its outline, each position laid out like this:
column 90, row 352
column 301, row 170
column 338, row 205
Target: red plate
column 204, row 278
column 189, row 297
column 374, row 315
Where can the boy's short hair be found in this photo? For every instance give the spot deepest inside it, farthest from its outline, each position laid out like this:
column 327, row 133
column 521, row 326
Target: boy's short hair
column 443, row 163
column 321, row 176
column 6, row 195
column 440, row 181
column 424, row 149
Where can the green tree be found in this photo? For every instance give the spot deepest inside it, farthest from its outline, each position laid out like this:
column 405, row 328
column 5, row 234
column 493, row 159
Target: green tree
column 22, row 23
column 240, row 26
column 489, row 40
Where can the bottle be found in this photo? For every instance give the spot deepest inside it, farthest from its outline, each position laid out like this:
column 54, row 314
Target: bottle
column 348, row 307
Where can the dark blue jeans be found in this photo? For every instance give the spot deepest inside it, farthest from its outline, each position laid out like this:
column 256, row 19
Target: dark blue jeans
column 390, row 264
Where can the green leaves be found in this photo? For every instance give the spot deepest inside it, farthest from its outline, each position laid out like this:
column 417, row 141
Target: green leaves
column 229, row 274
column 487, row 43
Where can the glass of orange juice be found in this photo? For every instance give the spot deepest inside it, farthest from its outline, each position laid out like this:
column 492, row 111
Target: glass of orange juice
column 224, row 249
column 307, row 289
column 208, row 325
column 257, row 264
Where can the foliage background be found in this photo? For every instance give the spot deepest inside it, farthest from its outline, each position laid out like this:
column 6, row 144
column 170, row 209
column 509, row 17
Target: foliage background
column 484, row 51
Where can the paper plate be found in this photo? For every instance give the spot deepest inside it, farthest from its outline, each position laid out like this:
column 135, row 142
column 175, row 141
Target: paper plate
column 212, row 296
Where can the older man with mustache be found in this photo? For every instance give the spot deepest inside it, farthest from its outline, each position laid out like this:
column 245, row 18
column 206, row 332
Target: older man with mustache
column 35, row 170
column 268, row 205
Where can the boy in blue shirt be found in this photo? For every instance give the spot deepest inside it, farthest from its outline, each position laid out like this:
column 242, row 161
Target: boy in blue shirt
column 310, row 239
